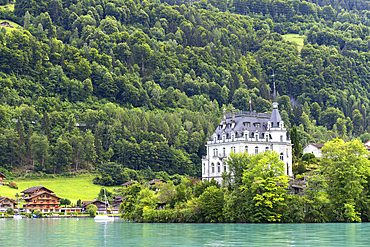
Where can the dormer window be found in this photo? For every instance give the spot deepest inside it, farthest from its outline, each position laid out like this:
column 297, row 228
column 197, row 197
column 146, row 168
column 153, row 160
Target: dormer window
column 246, row 136
column 247, row 124
column 215, row 139
column 232, row 137
column 223, row 138
column 257, row 138
column 257, row 125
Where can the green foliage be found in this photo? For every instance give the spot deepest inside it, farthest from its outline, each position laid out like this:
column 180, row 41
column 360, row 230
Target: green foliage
column 91, row 208
column 10, row 211
column 211, row 202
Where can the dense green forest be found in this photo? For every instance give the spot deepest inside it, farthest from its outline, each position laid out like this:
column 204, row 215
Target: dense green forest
column 257, row 192
column 141, row 84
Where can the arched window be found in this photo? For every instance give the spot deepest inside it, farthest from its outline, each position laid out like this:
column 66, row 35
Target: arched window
column 213, row 168
column 224, row 151
column 218, row 167
column 266, row 148
column 256, row 150
column 246, row 149
column 224, row 168
column 281, row 156
column 232, row 138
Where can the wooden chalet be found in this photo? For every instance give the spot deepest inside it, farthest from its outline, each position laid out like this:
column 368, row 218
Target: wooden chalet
column 6, row 203
column 2, row 179
column 5, row 24
column 99, row 204
column 116, row 202
column 40, row 198
column 154, row 181
column 128, row 183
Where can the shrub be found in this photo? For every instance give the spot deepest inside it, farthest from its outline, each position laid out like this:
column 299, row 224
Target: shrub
column 91, row 208
column 10, row 211
column 13, row 185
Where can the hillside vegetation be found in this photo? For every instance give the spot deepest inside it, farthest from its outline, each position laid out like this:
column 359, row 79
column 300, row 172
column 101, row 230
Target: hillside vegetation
column 142, row 83
column 80, row 187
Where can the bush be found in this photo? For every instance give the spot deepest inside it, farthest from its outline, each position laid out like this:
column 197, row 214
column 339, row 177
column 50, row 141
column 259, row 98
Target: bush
column 13, row 185
column 91, row 208
column 10, row 211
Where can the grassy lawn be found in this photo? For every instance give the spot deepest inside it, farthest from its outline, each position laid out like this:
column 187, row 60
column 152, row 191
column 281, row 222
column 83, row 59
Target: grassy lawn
column 9, row 7
column 295, row 38
column 80, row 187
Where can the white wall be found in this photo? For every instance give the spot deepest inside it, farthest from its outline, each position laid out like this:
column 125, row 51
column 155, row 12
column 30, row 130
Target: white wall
column 313, row 150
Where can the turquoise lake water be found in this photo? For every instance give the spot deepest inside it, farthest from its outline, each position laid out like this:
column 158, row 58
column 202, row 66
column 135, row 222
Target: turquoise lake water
column 86, row 232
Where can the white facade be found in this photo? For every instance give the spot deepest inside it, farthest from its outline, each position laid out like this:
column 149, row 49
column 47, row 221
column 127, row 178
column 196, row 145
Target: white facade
column 313, row 148
column 246, row 131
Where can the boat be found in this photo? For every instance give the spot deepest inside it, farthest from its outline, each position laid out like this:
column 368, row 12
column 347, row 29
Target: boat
column 17, row 216
column 104, row 217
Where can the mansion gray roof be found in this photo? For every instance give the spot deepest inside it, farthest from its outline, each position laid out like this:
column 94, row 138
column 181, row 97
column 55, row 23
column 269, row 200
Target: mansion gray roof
column 247, row 121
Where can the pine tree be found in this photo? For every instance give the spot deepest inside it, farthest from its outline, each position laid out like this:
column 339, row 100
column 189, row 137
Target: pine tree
column 26, row 23
column 297, row 147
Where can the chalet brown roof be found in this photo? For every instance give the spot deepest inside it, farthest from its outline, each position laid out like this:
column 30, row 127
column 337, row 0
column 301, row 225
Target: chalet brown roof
column 40, row 193
column 3, row 198
column 156, row 181
column 2, row 175
column 85, row 203
column 128, row 183
column 33, row 189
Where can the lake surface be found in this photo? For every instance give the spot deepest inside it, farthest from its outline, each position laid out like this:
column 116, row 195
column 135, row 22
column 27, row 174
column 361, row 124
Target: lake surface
column 86, row 232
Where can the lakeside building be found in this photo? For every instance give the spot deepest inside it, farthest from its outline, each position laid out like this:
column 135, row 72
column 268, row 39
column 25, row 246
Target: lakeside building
column 40, row 198
column 250, row 132
column 5, row 203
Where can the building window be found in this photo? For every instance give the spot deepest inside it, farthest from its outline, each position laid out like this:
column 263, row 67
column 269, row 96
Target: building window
column 224, row 168
column 223, row 138
column 281, row 138
column 215, row 139
column 204, row 168
column 257, row 138
column 246, row 136
column 224, row 151
column 216, row 152
column 232, row 137
column 266, row 148
column 213, row 168
column 246, row 149
column 256, row 150
column 281, row 156
column 267, row 138
column 218, row 168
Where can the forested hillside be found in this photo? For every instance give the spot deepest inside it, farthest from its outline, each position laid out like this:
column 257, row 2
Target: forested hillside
column 142, row 83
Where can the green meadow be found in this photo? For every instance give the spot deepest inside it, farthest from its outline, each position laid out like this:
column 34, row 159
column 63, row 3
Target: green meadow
column 79, row 187
column 295, row 38
column 9, row 7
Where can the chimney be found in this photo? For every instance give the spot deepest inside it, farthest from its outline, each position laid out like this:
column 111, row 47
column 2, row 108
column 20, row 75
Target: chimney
column 224, row 119
column 233, row 118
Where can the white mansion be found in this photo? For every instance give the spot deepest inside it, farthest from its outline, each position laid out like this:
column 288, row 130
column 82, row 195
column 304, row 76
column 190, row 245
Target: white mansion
column 250, row 132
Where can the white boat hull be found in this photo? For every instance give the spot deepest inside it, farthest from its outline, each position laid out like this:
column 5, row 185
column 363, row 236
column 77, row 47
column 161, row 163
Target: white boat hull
column 17, row 217
column 103, row 218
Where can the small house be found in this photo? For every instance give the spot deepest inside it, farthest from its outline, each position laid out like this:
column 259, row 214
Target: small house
column 155, row 181
column 102, row 206
column 314, row 148
column 116, row 202
column 5, row 24
column 367, row 145
column 2, row 179
column 6, row 203
column 128, row 183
